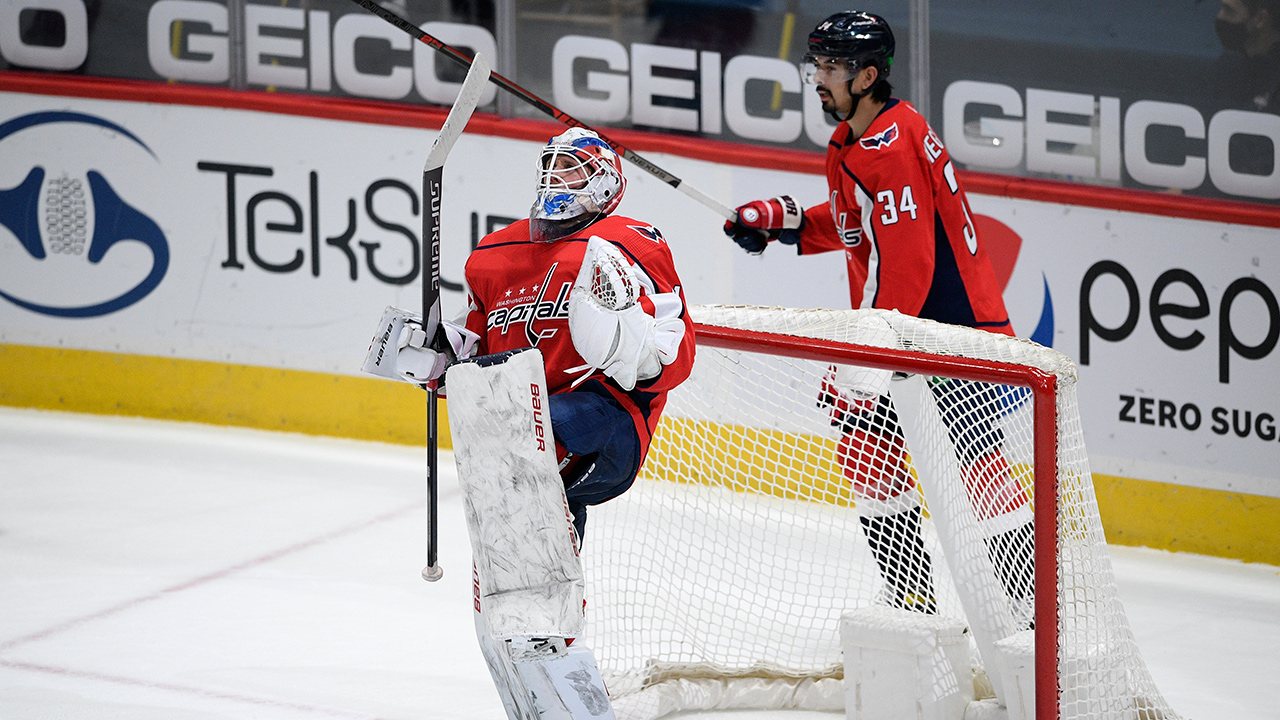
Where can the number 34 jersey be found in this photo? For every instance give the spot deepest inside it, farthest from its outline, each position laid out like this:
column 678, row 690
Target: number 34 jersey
column 899, row 213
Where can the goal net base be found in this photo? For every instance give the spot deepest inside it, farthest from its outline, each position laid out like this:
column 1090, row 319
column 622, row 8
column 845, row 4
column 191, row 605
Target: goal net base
column 687, row 688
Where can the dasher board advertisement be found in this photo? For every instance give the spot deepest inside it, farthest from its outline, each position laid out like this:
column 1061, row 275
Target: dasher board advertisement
column 274, row 239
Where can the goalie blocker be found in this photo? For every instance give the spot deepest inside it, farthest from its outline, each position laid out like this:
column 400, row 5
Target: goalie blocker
column 528, row 579
column 401, row 350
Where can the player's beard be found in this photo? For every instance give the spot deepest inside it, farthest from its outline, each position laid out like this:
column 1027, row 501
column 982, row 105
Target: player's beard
column 829, row 105
column 828, row 102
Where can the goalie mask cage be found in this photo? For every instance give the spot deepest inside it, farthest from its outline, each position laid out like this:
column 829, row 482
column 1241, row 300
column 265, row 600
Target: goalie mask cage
column 778, row 495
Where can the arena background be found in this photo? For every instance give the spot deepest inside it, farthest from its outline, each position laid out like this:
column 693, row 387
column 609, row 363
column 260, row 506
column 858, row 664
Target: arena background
column 261, row 167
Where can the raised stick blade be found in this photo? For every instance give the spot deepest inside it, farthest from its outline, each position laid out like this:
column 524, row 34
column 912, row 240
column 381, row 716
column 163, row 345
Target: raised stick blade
column 460, row 113
column 432, row 174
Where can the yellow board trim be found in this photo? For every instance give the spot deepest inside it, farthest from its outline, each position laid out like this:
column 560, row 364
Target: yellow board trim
column 1134, row 512
column 314, row 403
column 1189, row 519
column 808, row 472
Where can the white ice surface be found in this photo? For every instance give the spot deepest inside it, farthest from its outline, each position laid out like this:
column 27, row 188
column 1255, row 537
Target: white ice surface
column 163, row 571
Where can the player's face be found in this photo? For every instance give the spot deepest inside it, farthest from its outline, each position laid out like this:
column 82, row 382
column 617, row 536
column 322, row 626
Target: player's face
column 569, row 171
column 831, row 77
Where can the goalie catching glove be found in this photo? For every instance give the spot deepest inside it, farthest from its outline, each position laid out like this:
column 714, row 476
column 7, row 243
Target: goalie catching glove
column 760, row 221
column 616, row 329
column 401, row 350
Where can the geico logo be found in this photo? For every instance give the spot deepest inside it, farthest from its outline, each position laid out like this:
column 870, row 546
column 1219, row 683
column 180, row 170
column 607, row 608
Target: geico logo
column 305, row 49
column 295, row 48
column 679, row 89
column 293, row 237
column 1245, row 332
column 67, row 56
column 1103, row 137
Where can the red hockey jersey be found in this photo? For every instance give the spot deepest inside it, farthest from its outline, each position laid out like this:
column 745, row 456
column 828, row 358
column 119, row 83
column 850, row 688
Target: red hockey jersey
column 518, row 291
column 899, row 213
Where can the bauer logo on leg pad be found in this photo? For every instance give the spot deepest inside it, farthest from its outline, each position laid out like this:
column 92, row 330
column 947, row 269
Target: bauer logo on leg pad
column 539, row 430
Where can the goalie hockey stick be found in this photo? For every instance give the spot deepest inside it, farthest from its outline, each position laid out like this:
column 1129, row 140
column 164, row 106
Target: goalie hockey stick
column 457, row 56
column 432, row 185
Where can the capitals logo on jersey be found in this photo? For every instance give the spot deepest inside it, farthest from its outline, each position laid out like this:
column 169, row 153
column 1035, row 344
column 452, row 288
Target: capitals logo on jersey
column 850, row 234
column 530, row 305
column 880, row 140
column 648, row 231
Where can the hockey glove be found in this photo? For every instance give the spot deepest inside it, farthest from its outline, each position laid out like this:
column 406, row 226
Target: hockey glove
column 609, row 326
column 401, row 350
column 759, row 221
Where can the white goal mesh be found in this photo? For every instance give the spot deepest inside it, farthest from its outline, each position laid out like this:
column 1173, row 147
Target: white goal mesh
column 818, row 462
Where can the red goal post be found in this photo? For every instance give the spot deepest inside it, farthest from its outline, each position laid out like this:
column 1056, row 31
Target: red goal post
column 679, row 596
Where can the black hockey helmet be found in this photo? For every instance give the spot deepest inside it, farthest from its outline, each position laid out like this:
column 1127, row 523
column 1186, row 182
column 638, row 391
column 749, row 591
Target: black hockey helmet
column 859, row 36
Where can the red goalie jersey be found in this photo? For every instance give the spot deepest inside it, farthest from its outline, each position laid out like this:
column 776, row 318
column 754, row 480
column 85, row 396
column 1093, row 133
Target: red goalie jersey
column 519, row 297
column 901, row 217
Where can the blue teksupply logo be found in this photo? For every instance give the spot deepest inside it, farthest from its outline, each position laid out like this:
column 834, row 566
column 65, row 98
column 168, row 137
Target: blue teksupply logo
column 50, row 214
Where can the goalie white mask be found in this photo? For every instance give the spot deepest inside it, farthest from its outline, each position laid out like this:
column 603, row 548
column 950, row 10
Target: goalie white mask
column 579, row 181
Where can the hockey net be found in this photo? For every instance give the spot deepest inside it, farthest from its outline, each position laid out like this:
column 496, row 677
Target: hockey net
column 819, row 462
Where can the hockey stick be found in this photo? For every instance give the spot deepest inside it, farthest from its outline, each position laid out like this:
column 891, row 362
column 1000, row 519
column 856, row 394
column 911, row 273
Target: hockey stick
column 432, row 177
column 457, row 56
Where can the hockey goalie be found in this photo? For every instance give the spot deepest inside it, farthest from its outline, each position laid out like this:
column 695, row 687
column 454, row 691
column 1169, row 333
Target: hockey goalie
column 576, row 331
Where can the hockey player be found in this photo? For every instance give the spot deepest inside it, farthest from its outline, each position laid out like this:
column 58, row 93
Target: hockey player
column 598, row 295
column 897, row 211
column 519, row 280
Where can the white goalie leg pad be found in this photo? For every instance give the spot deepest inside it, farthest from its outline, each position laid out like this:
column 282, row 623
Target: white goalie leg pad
column 562, row 680
column 544, row 678
column 516, row 700
column 528, row 570
column 609, row 328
